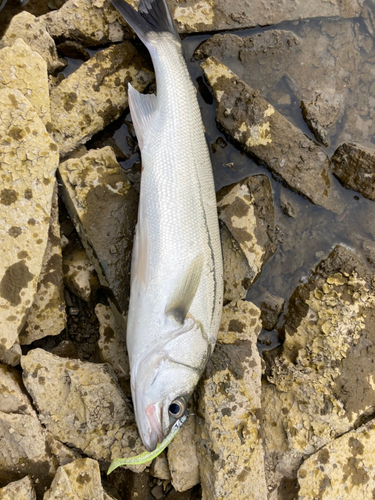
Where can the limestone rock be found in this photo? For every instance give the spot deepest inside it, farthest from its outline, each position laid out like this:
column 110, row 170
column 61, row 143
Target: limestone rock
column 79, row 480
column 342, row 469
column 354, row 165
column 79, row 274
column 22, row 442
column 63, row 454
column 320, row 114
column 80, row 403
column 33, row 32
column 23, row 69
column 103, row 206
column 230, row 451
column 205, row 15
column 47, row 314
column 28, row 161
column 268, row 136
column 92, row 23
column 246, row 209
column 111, row 344
column 182, row 458
column 318, row 390
column 13, row 355
column 19, row 490
column 160, row 468
column 96, row 94
column 271, row 307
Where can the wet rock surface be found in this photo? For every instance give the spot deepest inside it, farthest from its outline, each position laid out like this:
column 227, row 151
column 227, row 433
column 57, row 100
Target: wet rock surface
column 103, row 206
column 246, row 210
column 29, row 159
column 96, row 94
column 228, row 410
column 354, row 165
column 269, row 137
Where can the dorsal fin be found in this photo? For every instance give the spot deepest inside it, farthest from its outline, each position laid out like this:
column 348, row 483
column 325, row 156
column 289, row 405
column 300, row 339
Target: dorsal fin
column 142, row 108
column 185, row 291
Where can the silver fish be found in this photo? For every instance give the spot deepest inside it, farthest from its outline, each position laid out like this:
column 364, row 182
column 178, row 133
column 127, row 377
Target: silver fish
column 177, row 272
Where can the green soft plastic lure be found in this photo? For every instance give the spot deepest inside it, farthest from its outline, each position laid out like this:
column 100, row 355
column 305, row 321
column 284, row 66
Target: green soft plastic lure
column 147, row 456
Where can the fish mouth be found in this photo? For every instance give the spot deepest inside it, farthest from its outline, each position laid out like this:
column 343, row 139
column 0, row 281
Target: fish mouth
column 154, row 433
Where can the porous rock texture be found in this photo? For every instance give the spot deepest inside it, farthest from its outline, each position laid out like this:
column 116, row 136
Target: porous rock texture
column 317, row 390
column 247, row 215
column 81, row 404
column 268, row 136
column 26, row 70
column 103, row 206
column 47, row 315
column 28, row 161
column 230, row 452
column 96, row 94
column 33, row 32
column 22, row 489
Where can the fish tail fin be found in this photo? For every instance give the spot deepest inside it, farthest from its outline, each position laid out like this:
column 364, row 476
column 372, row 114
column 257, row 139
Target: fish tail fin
column 153, row 16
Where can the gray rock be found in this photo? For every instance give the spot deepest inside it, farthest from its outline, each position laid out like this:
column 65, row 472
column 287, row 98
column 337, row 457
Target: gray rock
column 103, row 206
column 19, row 490
column 96, row 94
column 47, row 314
column 23, row 447
column 33, row 32
column 13, row 355
column 24, row 69
column 230, row 452
column 159, row 467
column 28, row 161
column 272, row 139
column 80, row 403
column 111, row 343
column 318, row 390
column 287, row 206
column 246, row 209
column 79, row 480
column 182, row 458
column 341, row 469
column 354, row 165
column 91, row 23
column 271, row 307
column 320, row 114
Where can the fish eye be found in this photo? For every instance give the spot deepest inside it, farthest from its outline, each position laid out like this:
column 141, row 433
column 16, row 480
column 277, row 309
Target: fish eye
column 177, row 408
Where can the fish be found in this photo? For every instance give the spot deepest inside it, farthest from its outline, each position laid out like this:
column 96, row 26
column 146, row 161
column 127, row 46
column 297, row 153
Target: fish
column 176, row 292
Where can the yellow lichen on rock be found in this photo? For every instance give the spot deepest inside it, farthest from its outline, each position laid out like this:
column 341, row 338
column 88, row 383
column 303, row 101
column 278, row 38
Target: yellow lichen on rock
column 192, row 17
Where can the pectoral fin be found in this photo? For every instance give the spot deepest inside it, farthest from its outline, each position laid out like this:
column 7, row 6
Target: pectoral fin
column 184, row 293
column 142, row 108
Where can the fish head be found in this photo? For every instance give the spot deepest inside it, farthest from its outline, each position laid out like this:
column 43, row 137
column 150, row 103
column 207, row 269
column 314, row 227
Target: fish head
column 164, row 378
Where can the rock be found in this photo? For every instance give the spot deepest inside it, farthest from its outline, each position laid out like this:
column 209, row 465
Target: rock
column 354, row 165
column 62, row 454
column 79, row 480
column 318, row 390
column 246, row 209
column 286, row 206
column 23, row 69
column 47, row 314
column 13, row 355
column 203, row 15
column 22, row 442
column 28, row 161
column 270, row 138
column 230, row 451
column 160, row 468
column 341, row 469
column 111, row 344
column 90, row 23
column 182, row 458
column 74, row 50
column 33, row 32
column 271, row 307
column 79, row 274
column 103, row 206
column 19, row 490
column 96, row 94
column 320, row 114
column 80, row 403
